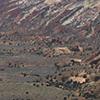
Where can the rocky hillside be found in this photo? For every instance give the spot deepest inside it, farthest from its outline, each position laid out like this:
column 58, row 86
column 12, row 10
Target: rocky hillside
column 49, row 16
column 49, row 49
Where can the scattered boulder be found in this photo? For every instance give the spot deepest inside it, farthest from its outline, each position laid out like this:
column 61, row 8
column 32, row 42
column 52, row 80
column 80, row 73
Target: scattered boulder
column 75, row 60
column 49, row 2
column 60, row 51
column 56, row 51
column 80, row 78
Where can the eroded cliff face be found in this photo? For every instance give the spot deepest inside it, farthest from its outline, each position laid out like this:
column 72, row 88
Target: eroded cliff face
column 47, row 16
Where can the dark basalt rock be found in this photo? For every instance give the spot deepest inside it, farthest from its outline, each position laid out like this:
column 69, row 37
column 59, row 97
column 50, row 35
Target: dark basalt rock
column 72, row 85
